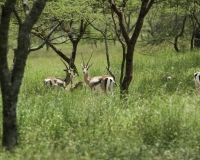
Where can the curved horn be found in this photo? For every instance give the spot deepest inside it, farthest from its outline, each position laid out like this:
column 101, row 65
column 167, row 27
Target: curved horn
column 64, row 63
column 82, row 59
column 89, row 60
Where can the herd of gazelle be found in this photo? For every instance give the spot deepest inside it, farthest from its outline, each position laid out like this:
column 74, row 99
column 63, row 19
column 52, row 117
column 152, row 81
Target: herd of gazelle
column 103, row 83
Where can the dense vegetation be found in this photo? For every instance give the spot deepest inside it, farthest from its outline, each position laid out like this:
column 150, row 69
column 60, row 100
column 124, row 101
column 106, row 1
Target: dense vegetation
column 159, row 119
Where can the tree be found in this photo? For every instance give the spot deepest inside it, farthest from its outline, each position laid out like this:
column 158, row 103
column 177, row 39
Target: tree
column 73, row 28
column 130, row 41
column 173, row 22
column 73, row 37
column 11, row 81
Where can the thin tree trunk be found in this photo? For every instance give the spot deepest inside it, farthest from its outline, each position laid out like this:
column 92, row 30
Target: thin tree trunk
column 192, row 42
column 82, row 29
column 179, row 35
column 74, row 49
column 145, row 6
column 129, row 70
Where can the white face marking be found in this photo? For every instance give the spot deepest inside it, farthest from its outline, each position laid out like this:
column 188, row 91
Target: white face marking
column 85, row 70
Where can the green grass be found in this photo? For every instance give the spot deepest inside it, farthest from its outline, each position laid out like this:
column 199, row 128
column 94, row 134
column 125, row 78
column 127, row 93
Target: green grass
column 159, row 120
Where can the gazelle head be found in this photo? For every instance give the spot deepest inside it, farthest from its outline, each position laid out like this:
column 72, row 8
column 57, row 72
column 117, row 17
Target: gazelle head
column 68, row 71
column 56, row 81
column 85, row 67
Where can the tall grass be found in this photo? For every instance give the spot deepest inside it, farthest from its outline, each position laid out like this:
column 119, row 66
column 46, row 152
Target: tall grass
column 159, row 120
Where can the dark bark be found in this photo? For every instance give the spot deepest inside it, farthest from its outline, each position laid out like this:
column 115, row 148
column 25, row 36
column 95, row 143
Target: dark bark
column 118, row 35
column 10, row 84
column 9, row 109
column 197, row 38
column 196, row 32
column 192, row 42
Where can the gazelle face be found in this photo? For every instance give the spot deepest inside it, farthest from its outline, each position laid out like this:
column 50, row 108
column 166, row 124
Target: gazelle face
column 68, row 71
column 85, row 69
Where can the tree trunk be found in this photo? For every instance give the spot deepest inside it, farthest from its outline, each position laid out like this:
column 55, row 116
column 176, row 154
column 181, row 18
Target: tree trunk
column 10, row 84
column 130, row 42
column 179, row 35
column 192, row 42
column 74, row 49
column 9, row 105
column 129, row 70
column 197, row 38
column 145, row 6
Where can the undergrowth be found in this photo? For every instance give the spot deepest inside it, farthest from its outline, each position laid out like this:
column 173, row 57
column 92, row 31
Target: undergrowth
column 158, row 120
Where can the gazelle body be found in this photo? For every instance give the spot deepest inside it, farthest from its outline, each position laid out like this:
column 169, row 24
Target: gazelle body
column 197, row 80
column 98, row 83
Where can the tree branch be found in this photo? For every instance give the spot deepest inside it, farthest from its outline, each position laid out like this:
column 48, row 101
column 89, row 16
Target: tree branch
column 46, row 39
column 120, row 14
column 26, row 7
column 123, row 48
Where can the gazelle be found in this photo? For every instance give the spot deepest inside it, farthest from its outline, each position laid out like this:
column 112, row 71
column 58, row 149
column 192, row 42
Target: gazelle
column 53, row 81
column 197, row 80
column 104, row 83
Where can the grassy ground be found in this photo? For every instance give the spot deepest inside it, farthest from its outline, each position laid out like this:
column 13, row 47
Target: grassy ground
column 159, row 120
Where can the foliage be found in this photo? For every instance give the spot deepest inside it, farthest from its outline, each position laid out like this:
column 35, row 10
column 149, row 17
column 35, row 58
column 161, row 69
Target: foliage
column 165, row 21
column 162, row 24
column 159, row 120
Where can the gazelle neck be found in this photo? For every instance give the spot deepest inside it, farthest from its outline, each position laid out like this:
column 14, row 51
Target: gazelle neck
column 87, row 78
column 67, row 79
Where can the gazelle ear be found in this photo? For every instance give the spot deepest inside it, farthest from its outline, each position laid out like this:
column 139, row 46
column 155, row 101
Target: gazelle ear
column 67, row 70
